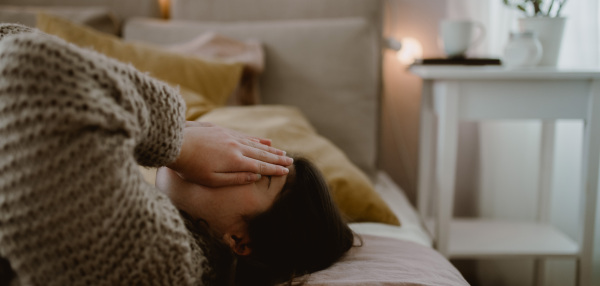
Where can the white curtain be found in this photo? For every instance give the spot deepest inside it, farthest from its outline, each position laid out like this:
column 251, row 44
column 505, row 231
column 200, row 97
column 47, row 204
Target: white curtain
column 580, row 48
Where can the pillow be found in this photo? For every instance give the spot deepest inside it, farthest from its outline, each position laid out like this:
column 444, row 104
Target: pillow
column 318, row 65
column 98, row 18
column 196, row 105
column 214, row 80
column 213, row 46
column 387, row 261
column 291, row 131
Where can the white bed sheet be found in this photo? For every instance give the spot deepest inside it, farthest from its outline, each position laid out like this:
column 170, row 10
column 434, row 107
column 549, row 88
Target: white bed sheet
column 411, row 228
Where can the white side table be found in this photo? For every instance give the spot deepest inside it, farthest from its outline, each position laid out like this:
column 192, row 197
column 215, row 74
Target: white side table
column 454, row 93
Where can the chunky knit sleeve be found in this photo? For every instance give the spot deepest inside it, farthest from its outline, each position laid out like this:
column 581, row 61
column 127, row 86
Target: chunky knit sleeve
column 74, row 210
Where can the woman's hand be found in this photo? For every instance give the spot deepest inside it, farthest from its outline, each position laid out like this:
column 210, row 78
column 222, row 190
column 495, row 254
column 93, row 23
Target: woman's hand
column 214, row 156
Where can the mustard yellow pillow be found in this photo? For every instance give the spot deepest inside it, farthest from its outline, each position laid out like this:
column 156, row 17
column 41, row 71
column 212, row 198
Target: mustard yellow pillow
column 215, row 81
column 291, row 131
column 196, row 105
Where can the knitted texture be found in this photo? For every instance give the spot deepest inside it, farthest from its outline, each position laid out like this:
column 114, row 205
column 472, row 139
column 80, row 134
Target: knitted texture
column 74, row 208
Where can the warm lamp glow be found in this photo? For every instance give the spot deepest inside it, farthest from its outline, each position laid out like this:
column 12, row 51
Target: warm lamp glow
column 164, row 8
column 411, row 50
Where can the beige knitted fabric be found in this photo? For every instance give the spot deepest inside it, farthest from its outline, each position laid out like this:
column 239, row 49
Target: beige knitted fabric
column 74, row 209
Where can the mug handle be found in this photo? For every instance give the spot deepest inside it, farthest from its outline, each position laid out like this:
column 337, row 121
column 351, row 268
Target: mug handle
column 481, row 35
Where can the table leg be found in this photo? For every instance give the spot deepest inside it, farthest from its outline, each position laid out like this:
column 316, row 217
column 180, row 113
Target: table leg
column 446, row 97
column 426, row 151
column 546, row 170
column 539, row 267
column 545, row 189
column 591, row 157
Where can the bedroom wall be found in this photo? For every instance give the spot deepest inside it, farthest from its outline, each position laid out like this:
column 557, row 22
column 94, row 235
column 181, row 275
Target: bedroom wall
column 402, row 91
column 401, row 103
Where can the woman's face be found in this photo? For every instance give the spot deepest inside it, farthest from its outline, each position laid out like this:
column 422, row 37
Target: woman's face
column 224, row 208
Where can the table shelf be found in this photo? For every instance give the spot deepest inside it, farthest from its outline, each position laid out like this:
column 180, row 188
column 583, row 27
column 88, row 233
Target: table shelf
column 453, row 94
column 482, row 238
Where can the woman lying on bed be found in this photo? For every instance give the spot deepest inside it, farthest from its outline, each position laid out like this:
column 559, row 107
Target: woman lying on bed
column 74, row 209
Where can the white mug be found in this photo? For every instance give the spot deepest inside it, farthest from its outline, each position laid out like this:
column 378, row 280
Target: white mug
column 457, row 36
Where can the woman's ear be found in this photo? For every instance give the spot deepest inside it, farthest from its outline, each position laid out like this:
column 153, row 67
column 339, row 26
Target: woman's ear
column 238, row 243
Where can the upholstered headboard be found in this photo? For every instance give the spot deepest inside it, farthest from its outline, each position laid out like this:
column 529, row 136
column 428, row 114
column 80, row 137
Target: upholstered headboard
column 123, row 9
column 323, row 56
column 262, row 10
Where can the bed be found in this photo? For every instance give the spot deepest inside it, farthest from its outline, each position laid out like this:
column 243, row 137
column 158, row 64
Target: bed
column 321, row 62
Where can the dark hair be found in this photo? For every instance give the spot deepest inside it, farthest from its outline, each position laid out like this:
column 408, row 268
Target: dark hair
column 301, row 233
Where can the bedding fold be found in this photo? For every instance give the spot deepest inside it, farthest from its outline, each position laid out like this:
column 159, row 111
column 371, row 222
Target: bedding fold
column 388, row 261
column 212, row 46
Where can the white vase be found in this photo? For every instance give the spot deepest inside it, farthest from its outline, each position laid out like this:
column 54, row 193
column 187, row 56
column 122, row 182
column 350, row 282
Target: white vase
column 550, row 33
column 523, row 50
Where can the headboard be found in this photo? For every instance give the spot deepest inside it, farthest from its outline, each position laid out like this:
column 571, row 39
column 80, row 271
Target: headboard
column 322, row 56
column 263, row 10
column 123, row 9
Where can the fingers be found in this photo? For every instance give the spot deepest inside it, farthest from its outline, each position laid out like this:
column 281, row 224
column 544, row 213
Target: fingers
column 266, row 148
column 263, row 168
column 264, row 141
column 229, row 179
column 247, row 137
column 237, row 134
column 266, row 154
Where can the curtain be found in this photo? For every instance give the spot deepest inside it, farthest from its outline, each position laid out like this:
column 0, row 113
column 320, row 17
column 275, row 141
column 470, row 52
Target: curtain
column 580, row 48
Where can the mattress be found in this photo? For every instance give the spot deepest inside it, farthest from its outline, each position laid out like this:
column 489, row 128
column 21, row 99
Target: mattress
column 411, row 228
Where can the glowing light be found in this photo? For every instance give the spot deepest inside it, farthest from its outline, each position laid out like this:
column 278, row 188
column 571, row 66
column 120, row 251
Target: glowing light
column 411, row 50
column 164, row 8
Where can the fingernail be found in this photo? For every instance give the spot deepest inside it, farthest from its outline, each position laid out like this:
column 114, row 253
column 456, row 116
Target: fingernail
column 259, row 176
column 284, row 153
column 286, row 170
column 291, row 160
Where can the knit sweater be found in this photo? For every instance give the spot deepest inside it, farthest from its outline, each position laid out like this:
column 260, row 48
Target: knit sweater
column 74, row 208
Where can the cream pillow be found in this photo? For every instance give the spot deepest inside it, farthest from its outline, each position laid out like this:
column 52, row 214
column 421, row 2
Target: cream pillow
column 249, row 53
column 291, row 131
column 215, row 81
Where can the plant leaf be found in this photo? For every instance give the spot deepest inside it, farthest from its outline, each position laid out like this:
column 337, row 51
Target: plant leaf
column 550, row 8
column 536, row 6
column 562, row 3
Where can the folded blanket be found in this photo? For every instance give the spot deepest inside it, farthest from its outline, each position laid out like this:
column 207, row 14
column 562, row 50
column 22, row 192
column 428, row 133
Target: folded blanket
column 212, row 46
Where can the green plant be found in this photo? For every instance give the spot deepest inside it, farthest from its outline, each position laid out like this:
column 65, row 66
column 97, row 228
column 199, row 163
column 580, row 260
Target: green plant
column 533, row 8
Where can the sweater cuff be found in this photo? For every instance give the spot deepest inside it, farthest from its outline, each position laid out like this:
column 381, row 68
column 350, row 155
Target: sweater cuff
column 163, row 136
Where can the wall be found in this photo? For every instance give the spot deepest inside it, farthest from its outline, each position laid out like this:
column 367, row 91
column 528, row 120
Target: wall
column 402, row 91
column 401, row 103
